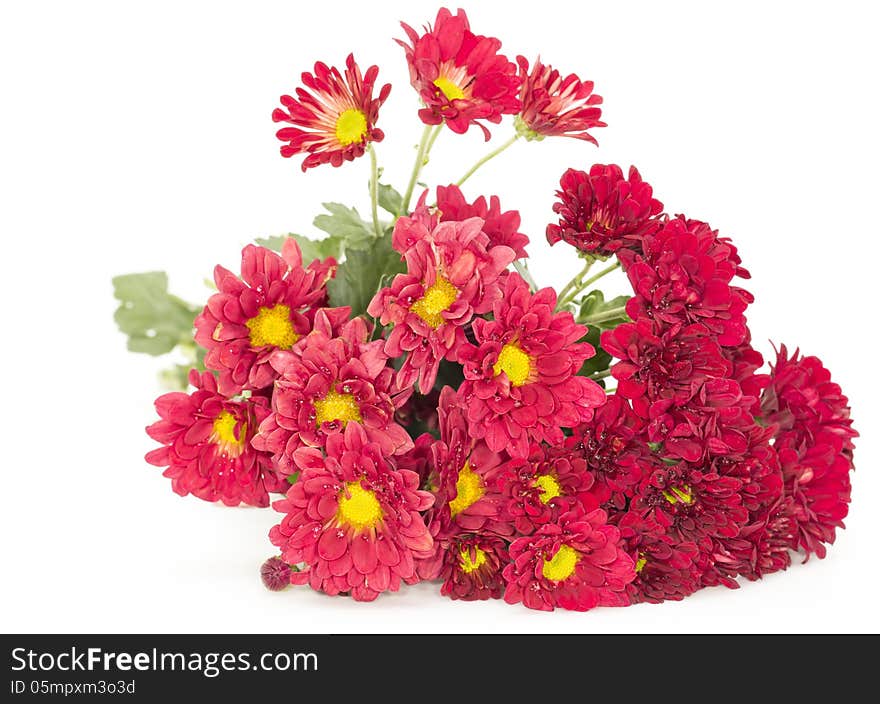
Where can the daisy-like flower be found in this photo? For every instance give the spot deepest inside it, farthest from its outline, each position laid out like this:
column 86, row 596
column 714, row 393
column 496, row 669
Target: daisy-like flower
column 326, row 383
column 502, row 227
column 602, row 211
column 352, row 519
column 452, row 274
column 575, row 564
column 665, row 568
column 521, row 384
column 472, row 567
column 335, row 119
column 544, row 485
column 615, row 452
column 460, row 76
column 206, row 445
column 684, row 276
column 553, row 106
column 253, row 316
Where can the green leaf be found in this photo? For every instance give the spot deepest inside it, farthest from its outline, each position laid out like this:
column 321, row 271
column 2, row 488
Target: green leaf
column 311, row 249
column 362, row 273
column 598, row 362
column 596, row 312
column 346, row 224
column 390, row 200
column 154, row 320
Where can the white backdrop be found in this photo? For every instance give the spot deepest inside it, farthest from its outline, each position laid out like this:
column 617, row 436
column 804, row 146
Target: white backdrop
column 137, row 136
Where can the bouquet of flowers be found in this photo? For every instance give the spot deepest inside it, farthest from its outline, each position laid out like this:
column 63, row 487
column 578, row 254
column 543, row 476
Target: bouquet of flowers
column 424, row 411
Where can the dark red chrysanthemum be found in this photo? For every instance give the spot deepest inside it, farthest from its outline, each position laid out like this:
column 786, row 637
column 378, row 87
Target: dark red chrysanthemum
column 329, row 380
column 460, row 76
column 352, row 518
column 684, row 276
column 502, row 228
column 665, row 568
column 472, row 567
column 267, row 309
column 602, row 212
column 335, row 119
column 575, row 564
column 615, row 451
column 553, row 106
column 539, row 488
column 521, row 384
column 453, row 273
column 206, row 445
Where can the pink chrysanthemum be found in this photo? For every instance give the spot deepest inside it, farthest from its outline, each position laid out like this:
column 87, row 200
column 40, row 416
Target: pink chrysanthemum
column 460, row 76
column 521, row 382
column 452, row 274
column 684, row 276
column 253, row 316
column 502, row 228
column 665, row 568
column 546, row 484
column 553, row 106
column 575, row 564
column 326, row 383
column 472, row 567
column 615, row 452
column 602, row 212
column 352, row 518
column 336, row 120
column 207, row 448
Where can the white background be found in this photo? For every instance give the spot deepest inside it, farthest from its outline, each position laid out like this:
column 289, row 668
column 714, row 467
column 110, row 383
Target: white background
column 137, row 136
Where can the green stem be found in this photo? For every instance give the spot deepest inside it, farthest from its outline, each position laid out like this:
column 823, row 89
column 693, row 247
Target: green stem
column 609, row 314
column 573, row 286
column 523, row 270
column 491, row 155
column 374, row 190
column 600, row 375
column 606, row 270
column 429, row 136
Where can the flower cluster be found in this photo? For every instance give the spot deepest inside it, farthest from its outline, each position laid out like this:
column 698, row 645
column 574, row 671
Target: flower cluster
column 425, row 412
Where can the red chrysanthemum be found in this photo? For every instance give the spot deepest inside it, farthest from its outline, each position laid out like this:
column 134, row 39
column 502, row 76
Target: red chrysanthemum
column 460, row 76
column 326, row 383
column 801, row 399
column 615, row 452
column 452, row 274
column 684, row 276
column 666, row 568
column 602, row 212
column 502, row 228
column 352, row 518
column 336, row 120
column 546, row 484
column 521, row 384
column 672, row 365
column 746, row 362
column 420, row 459
column 553, row 106
column 251, row 317
column 575, row 564
column 472, row 567
column 206, row 445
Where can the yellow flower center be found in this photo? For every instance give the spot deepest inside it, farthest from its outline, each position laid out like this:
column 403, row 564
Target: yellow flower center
column 336, row 406
column 561, row 566
column 679, row 495
column 437, row 298
column 514, row 362
column 272, row 326
column 468, row 490
column 448, row 88
column 351, row 126
column 641, row 562
column 224, row 434
column 358, row 507
column 549, row 487
column 467, row 565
